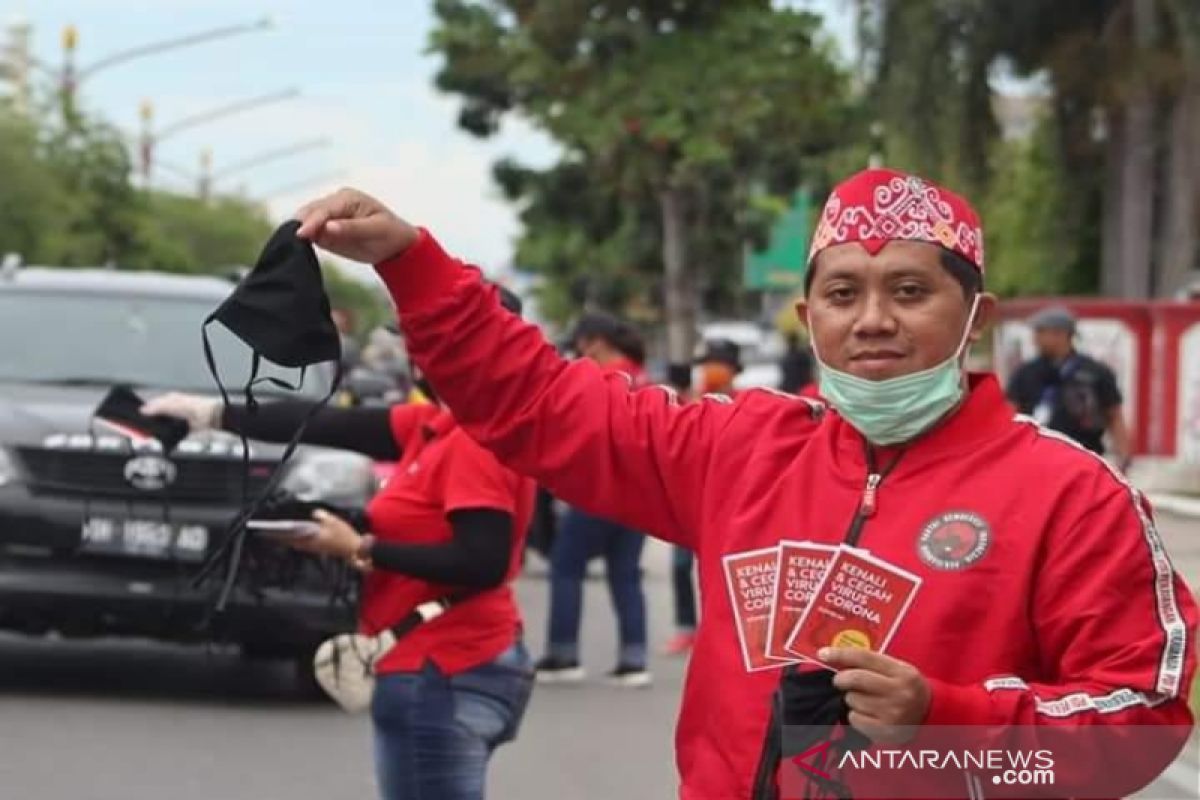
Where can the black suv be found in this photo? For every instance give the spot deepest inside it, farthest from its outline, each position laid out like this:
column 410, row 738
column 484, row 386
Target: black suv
column 99, row 536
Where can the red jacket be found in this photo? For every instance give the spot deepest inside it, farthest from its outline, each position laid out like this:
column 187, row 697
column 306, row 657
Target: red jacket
column 1047, row 597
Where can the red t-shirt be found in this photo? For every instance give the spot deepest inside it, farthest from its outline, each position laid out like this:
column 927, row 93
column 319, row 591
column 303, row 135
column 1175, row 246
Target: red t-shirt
column 442, row 470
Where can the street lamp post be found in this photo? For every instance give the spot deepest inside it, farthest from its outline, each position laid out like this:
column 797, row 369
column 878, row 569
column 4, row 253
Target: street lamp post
column 146, row 141
column 207, row 176
column 151, row 139
column 304, row 184
column 67, row 79
column 71, row 76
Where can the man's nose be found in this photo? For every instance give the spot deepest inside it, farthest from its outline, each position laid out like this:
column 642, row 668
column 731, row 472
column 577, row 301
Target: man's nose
column 876, row 317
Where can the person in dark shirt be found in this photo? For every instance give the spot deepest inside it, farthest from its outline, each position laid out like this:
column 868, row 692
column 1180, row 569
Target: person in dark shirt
column 616, row 347
column 720, row 364
column 796, row 367
column 1068, row 391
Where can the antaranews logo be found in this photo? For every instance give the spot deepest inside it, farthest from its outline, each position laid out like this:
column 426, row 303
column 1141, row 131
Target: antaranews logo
column 926, row 770
column 812, row 760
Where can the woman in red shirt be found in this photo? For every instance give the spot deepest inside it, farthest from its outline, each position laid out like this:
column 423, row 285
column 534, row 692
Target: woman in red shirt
column 450, row 520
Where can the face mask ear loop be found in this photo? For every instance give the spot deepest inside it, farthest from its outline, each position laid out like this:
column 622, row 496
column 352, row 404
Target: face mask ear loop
column 964, row 343
column 231, row 548
column 812, row 338
column 212, row 362
column 237, row 532
column 218, row 555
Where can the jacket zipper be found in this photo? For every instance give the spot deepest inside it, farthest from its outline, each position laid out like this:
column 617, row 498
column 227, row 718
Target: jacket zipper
column 867, row 505
column 772, row 749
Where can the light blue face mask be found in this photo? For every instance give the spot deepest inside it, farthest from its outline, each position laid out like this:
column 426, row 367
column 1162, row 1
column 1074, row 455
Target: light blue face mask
column 900, row 409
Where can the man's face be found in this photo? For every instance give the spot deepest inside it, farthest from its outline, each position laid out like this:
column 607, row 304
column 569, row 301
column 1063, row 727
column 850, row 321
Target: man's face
column 716, row 376
column 1052, row 342
column 890, row 314
column 589, row 348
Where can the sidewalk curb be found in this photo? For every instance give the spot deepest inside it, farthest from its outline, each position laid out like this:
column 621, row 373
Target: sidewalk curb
column 1176, row 504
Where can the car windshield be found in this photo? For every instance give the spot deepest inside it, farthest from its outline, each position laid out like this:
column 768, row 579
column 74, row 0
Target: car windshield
column 150, row 341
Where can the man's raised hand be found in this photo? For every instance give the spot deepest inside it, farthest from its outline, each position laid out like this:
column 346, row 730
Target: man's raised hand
column 354, row 225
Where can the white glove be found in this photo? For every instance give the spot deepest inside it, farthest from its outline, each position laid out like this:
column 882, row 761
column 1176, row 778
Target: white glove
column 200, row 413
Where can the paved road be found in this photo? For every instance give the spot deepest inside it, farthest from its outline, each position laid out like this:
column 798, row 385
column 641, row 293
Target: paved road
column 119, row 721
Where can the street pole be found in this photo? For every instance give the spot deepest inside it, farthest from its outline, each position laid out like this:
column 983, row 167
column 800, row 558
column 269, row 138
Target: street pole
column 146, row 143
column 268, row 156
column 206, row 176
column 304, row 184
column 221, row 112
column 71, row 76
column 150, row 139
column 67, row 78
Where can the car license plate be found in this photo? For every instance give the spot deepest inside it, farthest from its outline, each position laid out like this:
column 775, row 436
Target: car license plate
column 145, row 539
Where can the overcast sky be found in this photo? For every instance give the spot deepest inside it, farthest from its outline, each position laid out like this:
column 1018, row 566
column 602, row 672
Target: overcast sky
column 366, row 84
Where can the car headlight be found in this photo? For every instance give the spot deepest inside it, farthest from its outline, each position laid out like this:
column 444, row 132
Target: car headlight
column 331, row 476
column 8, row 468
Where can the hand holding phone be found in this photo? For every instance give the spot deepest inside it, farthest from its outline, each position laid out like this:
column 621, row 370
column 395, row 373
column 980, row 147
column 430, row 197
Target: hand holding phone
column 285, row 529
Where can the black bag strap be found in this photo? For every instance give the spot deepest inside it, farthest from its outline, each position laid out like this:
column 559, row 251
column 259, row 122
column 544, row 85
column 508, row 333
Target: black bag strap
column 431, row 610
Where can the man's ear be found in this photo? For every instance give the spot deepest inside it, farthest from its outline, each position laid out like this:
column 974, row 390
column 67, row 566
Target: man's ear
column 985, row 316
column 802, row 312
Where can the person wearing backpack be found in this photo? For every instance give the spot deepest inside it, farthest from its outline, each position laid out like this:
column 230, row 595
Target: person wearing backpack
column 1068, row 391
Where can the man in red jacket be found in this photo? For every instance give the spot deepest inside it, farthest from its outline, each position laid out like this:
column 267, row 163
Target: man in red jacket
column 1047, row 598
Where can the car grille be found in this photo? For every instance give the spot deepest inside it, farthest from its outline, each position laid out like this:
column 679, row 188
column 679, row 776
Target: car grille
column 99, row 474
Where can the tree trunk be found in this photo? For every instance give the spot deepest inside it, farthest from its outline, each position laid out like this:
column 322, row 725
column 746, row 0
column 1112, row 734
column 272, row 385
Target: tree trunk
column 1110, row 232
column 1180, row 232
column 1137, row 170
column 679, row 288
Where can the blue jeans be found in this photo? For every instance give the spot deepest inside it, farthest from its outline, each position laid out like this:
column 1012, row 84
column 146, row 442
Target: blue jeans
column 685, row 594
column 582, row 537
column 435, row 733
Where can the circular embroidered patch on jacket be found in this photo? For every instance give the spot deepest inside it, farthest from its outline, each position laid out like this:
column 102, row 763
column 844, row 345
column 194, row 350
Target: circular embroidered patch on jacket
column 954, row 540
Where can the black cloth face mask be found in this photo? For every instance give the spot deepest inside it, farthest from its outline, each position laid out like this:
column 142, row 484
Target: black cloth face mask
column 280, row 310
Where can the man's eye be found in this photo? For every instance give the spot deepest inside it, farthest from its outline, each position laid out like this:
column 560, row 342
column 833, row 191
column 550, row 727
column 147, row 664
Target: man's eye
column 911, row 291
column 842, row 294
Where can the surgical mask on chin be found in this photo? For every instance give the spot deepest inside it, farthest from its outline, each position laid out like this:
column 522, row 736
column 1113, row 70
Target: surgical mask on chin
column 897, row 410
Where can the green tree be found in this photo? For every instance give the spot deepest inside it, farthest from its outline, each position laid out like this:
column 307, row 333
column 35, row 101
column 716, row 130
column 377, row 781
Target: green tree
column 185, row 234
column 1024, row 207
column 33, row 204
column 369, row 305
column 1124, row 80
column 93, row 165
column 677, row 114
column 66, row 200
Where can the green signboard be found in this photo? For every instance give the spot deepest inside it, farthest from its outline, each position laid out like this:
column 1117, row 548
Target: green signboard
column 782, row 265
